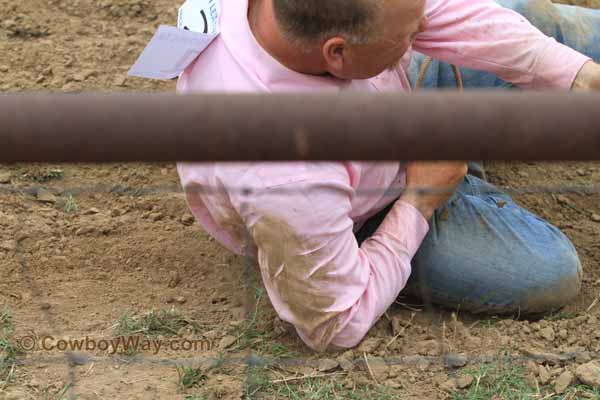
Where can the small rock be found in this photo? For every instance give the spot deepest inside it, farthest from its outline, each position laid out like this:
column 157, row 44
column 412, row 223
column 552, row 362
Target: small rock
column 187, row 219
column 174, row 279
column 92, row 211
column 45, row 306
column 4, row 69
column 327, row 364
column 448, row 386
column 454, row 360
column 85, row 230
column 180, row 299
column 581, row 172
column 595, row 217
column 5, row 177
column 548, row 334
column 589, row 374
column 345, row 364
column 523, row 174
column 157, row 216
column 464, row 381
column 563, row 382
column 227, row 341
column 45, row 196
column 563, row 334
column 544, row 375
column 563, row 200
column 9, row 245
column 379, row 368
column 369, row 345
column 120, row 81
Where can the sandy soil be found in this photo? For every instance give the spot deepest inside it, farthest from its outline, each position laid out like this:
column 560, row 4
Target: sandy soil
column 74, row 262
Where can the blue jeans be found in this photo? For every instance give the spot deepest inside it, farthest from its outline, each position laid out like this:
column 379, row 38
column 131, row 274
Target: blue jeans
column 576, row 27
column 484, row 253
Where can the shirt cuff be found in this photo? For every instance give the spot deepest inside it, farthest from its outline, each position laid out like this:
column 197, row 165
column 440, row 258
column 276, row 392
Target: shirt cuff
column 406, row 225
column 558, row 66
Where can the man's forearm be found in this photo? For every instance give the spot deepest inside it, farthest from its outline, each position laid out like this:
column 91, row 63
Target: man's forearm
column 588, row 78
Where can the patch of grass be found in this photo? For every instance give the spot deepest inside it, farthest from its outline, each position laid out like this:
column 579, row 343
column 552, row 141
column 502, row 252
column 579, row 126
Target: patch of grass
column 9, row 351
column 46, row 175
column 62, row 395
column 154, row 323
column 249, row 335
column 502, row 381
column 260, row 385
column 560, row 315
column 190, row 377
column 70, row 205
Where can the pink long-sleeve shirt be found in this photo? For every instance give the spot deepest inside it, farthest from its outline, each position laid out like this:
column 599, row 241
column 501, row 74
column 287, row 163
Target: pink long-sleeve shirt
column 301, row 217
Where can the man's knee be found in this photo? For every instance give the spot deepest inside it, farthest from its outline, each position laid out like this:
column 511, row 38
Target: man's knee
column 541, row 13
column 558, row 285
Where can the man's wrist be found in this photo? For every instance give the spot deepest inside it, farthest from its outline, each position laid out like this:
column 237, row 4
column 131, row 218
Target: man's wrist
column 419, row 202
column 588, row 78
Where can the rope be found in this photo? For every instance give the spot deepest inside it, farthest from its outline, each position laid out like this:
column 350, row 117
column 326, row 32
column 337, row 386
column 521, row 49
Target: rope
column 425, row 67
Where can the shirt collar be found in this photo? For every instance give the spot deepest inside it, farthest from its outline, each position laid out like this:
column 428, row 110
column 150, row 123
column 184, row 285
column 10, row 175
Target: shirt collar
column 274, row 76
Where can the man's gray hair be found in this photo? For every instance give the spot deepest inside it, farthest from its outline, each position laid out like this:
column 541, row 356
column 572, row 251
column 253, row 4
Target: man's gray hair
column 309, row 21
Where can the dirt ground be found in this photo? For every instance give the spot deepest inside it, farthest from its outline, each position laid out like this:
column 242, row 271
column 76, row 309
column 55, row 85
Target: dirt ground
column 89, row 251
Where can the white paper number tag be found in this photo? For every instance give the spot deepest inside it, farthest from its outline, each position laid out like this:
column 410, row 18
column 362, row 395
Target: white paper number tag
column 169, row 53
column 199, row 16
column 172, row 49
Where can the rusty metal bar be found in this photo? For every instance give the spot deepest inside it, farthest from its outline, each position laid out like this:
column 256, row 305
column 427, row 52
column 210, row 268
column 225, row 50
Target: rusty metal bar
column 424, row 126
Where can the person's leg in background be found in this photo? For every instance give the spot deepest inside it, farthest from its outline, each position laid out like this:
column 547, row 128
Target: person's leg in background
column 576, row 27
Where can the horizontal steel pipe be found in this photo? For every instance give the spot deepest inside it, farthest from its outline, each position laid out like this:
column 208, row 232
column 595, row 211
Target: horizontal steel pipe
column 425, row 126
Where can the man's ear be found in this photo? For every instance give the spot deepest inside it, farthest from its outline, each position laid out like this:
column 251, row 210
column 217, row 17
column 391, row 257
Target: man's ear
column 334, row 53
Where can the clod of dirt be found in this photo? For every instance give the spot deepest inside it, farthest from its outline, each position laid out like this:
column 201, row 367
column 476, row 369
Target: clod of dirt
column 563, row 382
column 327, row 364
column 5, row 177
column 454, row 360
column 227, row 341
column 448, row 386
column 157, row 216
column 45, row 306
column 544, row 375
column 345, row 364
column 45, row 196
column 8, row 245
column 369, row 345
column 174, row 279
column 464, row 381
column 589, row 374
column 548, row 334
column 187, row 219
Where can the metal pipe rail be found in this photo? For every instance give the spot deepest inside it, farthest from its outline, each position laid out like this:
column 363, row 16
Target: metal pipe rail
column 276, row 127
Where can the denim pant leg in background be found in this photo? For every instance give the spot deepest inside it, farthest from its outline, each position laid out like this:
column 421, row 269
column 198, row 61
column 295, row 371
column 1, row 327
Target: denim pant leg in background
column 576, row 27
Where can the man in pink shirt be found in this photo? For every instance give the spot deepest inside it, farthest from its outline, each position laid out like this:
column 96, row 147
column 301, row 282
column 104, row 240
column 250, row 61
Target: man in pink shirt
column 337, row 242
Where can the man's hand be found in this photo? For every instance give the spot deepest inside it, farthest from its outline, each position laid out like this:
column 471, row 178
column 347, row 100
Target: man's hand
column 588, row 78
column 439, row 179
